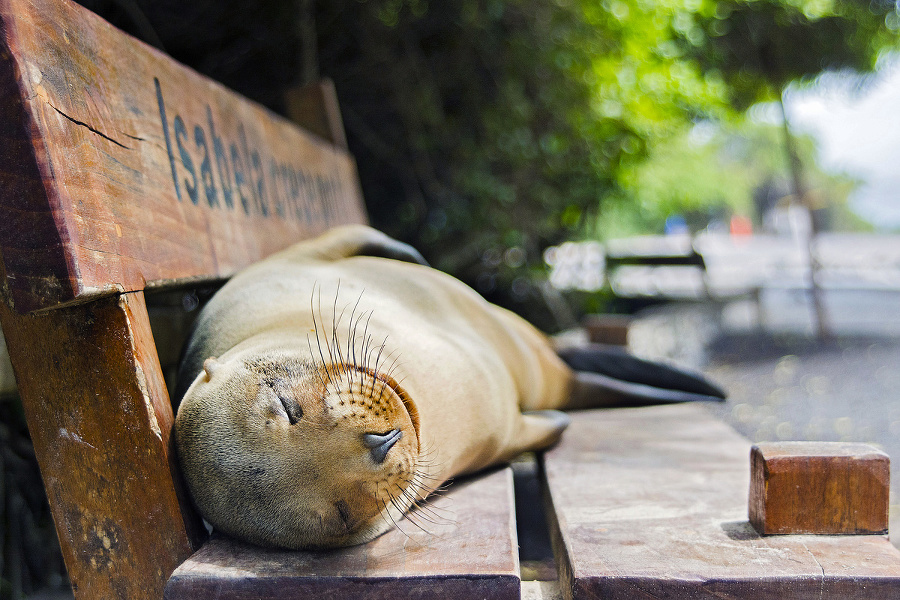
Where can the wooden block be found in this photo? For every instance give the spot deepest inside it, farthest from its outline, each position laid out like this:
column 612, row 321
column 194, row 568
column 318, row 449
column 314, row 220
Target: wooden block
column 100, row 419
column 651, row 503
column 819, row 488
column 469, row 551
column 122, row 168
column 608, row 329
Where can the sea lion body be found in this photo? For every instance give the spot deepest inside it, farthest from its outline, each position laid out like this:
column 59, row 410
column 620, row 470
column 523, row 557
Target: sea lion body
column 328, row 390
column 461, row 373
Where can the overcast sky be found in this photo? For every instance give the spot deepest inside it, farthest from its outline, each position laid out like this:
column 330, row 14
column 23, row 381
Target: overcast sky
column 858, row 129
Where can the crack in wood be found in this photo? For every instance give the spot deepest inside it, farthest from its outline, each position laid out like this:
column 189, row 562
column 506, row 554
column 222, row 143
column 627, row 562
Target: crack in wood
column 83, row 124
column 134, row 137
column 818, row 564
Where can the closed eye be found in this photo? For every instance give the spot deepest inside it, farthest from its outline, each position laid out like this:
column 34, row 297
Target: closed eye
column 288, row 408
column 292, row 409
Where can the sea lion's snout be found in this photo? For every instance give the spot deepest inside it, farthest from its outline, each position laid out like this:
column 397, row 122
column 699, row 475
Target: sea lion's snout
column 379, row 444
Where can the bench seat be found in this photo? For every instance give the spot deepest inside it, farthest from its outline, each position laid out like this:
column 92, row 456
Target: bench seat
column 464, row 546
column 652, row 503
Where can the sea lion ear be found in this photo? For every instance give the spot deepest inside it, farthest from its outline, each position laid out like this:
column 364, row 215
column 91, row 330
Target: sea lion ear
column 210, row 366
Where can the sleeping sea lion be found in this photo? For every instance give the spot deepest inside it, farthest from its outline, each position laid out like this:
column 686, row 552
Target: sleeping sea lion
column 333, row 385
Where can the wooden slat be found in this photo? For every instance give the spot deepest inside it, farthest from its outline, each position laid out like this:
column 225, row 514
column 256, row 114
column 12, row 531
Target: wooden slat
column 120, row 166
column 819, row 487
column 652, row 503
column 469, row 551
column 100, row 418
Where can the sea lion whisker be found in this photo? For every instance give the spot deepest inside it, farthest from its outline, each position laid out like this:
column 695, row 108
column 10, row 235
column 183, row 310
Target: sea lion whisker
column 367, row 337
column 387, row 511
column 425, row 507
column 417, row 478
column 389, row 374
column 407, row 514
column 438, row 488
column 430, row 490
column 375, row 366
column 412, row 518
column 430, row 505
column 318, row 371
column 335, row 325
column 380, row 352
column 367, row 350
column 351, row 336
column 425, row 455
column 329, row 365
column 422, row 476
column 367, row 340
column 423, row 511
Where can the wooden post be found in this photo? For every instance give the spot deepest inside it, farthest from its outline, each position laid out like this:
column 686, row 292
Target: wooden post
column 819, row 488
column 100, row 418
column 607, row 329
column 315, row 108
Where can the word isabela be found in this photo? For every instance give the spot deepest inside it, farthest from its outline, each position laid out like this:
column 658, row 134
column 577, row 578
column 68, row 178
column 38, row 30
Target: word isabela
column 233, row 175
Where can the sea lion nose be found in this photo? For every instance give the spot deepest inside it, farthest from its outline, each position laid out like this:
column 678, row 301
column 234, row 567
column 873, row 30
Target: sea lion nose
column 380, row 443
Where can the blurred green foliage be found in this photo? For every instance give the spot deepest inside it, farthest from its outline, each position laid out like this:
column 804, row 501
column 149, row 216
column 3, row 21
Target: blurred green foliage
column 489, row 127
column 762, row 45
column 511, row 120
column 712, row 171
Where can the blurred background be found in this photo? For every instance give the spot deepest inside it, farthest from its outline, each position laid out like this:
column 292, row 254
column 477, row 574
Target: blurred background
column 721, row 175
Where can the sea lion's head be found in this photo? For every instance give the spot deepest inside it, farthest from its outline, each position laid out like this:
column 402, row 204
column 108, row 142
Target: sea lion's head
column 281, row 450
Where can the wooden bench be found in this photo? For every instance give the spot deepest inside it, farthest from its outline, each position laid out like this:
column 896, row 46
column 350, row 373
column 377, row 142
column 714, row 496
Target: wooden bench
column 125, row 174
column 646, row 259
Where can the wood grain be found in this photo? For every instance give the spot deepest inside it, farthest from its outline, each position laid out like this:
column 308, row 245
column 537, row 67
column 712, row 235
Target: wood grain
column 469, row 551
column 819, row 488
column 652, row 503
column 122, row 169
column 100, row 418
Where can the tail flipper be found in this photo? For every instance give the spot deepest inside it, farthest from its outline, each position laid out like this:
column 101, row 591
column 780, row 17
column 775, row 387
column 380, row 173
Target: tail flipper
column 608, row 376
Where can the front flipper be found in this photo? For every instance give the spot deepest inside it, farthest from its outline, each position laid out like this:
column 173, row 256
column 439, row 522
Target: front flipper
column 538, row 429
column 608, row 376
column 360, row 240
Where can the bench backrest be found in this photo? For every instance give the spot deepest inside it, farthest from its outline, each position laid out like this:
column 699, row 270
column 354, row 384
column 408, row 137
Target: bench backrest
column 129, row 169
column 124, row 171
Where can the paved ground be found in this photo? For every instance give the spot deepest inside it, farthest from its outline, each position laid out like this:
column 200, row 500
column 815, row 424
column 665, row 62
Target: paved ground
column 783, row 383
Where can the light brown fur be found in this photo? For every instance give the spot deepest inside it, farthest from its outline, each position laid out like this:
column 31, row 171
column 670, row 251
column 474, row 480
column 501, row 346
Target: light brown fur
column 363, row 345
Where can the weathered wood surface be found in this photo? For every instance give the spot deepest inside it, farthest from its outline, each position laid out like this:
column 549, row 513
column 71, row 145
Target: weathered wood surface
column 122, row 168
column 99, row 416
column 652, row 503
column 819, row 488
column 468, row 551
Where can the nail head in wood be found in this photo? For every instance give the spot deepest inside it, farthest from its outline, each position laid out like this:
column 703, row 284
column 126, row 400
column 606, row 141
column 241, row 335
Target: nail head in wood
column 818, row 488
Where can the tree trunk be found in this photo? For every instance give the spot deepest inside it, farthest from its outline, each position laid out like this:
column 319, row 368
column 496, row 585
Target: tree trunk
column 801, row 196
